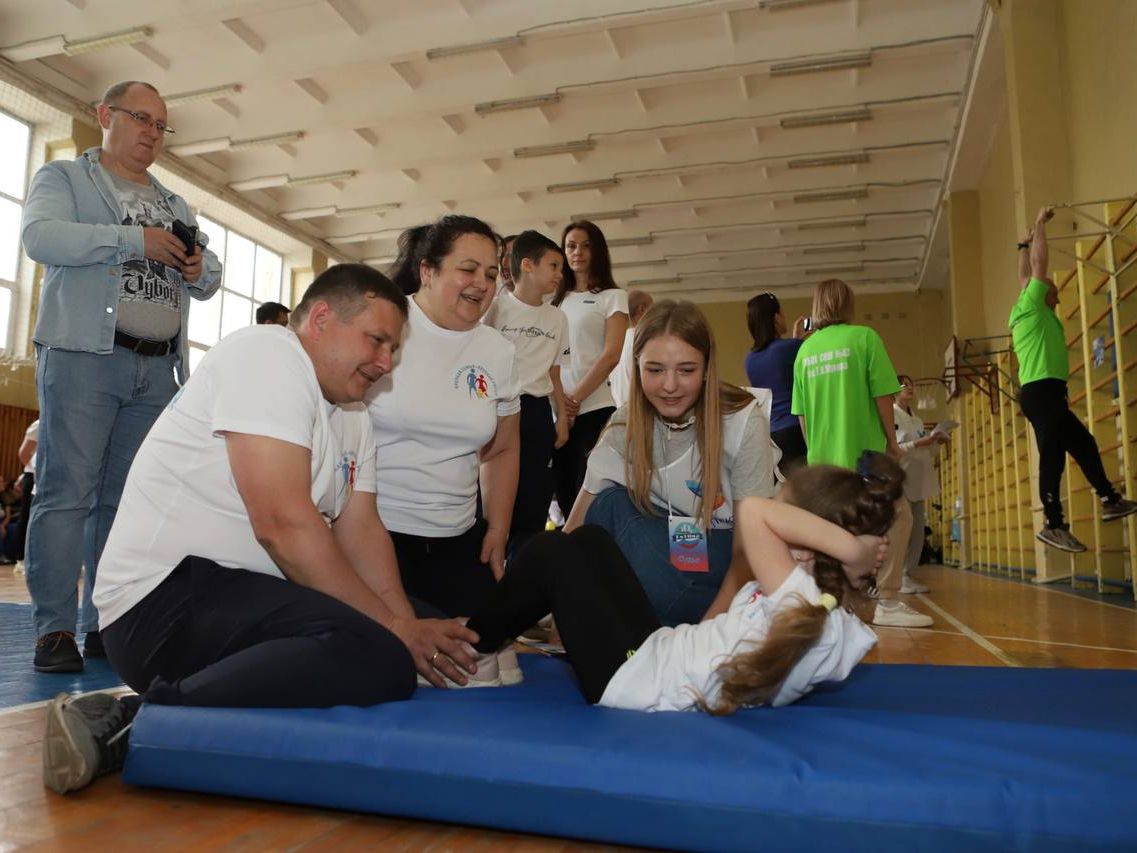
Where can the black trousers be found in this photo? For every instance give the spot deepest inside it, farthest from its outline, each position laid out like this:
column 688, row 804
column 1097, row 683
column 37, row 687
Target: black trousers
column 27, row 482
column 571, row 461
column 218, row 637
column 446, row 571
column 1058, row 432
column 535, row 476
column 601, row 611
column 792, row 444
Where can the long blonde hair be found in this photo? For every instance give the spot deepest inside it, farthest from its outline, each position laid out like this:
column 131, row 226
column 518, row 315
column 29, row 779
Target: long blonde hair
column 685, row 321
column 861, row 501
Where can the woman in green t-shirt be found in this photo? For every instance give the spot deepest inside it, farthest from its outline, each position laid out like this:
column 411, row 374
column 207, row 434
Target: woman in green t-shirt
column 843, row 387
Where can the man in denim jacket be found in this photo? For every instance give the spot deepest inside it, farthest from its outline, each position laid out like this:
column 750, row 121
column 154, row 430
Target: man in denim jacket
column 110, row 337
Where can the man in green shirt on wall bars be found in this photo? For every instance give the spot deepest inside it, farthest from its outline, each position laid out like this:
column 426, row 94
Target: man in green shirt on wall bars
column 1040, row 344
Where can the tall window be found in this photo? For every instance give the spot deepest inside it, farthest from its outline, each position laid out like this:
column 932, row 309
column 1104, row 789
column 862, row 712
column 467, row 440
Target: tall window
column 15, row 154
column 252, row 275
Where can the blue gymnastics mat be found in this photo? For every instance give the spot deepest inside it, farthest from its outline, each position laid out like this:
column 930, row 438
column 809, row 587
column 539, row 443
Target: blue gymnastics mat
column 904, row 758
column 20, row 683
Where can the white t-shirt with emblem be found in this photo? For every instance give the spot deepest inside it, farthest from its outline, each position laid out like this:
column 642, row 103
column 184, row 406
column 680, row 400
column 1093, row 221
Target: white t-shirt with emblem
column 180, row 498
column 539, row 334
column 676, row 665
column 432, row 414
column 588, row 315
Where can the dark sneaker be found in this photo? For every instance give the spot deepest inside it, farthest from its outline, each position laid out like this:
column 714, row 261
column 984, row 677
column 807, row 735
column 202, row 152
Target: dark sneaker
column 85, row 738
column 1119, row 508
column 1060, row 538
column 93, row 645
column 57, row 652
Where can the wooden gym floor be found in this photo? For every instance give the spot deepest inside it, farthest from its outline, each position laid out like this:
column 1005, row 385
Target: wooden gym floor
column 980, row 621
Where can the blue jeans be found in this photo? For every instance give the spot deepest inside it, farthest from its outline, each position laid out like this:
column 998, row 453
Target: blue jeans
column 94, row 412
column 677, row 597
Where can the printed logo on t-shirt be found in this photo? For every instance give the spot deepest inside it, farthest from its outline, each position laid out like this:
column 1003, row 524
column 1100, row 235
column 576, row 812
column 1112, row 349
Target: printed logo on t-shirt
column 697, row 490
column 526, row 332
column 477, row 381
column 347, row 467
column 143, row 279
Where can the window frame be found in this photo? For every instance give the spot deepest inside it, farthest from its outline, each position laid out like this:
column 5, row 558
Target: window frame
column 13, row 286
column 200, row 345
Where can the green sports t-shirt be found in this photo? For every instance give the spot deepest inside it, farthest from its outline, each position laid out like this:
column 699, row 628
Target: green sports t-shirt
column 838, row 374
column 1039, row 340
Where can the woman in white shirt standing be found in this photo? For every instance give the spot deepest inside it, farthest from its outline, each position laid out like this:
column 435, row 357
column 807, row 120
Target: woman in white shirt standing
column 920, row 481
column 447, row 419
column 597, row 312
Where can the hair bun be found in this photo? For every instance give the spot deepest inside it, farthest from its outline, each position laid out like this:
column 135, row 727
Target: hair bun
column 883, row 476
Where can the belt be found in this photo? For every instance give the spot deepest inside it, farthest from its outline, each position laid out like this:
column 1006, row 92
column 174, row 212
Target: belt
column 143, row 346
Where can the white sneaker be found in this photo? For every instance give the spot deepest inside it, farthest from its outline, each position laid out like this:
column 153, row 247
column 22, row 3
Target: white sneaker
column 488, row 675
column 910, row 586
column 556, row 514
column 897, row 614
column 509, row 668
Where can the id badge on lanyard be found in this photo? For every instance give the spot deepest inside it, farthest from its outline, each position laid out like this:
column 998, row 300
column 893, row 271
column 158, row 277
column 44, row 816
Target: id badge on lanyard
column 688, row 544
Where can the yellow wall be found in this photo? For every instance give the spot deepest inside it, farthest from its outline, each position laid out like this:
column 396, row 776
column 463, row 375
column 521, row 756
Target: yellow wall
column 997, row 232
column 1101, row 78
column 915, row 341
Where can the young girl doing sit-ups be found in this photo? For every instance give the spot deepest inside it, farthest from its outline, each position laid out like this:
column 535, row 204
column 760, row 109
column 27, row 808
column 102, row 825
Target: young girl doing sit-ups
column 789, row 625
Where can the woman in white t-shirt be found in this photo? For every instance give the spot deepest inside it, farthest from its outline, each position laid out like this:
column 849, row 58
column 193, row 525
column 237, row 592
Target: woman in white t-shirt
column 788, row 628
column 916, row 448
column 597, row 312
column 673, row 444
column 447, row 418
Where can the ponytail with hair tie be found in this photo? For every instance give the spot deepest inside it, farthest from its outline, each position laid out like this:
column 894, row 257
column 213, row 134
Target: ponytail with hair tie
column 861, row 501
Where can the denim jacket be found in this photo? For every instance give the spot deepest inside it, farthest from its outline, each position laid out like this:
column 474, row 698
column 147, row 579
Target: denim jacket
column 71, row 227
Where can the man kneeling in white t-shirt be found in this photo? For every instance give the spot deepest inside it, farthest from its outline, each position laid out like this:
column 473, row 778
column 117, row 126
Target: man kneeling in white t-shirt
column 248, row 566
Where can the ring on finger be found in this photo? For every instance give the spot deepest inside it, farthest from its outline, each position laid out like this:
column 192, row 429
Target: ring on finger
column 434, row 656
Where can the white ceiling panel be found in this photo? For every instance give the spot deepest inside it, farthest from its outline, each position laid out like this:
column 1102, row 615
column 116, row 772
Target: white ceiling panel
column 699, row 130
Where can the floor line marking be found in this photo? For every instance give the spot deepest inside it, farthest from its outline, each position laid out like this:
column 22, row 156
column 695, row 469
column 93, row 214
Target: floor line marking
column 1060, row 643
column 974, row 636
column 1041, row 587
column 1033, row 640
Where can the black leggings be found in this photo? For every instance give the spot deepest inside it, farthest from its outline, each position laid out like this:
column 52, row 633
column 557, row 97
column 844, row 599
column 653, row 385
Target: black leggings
column 792, row 444
column 445, row 571
column 600, row 608
column 218, row 637
column 534, row 479
column 571, row 461
column 1058, row 432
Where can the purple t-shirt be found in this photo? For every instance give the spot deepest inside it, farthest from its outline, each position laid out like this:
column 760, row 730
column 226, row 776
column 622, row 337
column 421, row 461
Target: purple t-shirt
column 773, row 368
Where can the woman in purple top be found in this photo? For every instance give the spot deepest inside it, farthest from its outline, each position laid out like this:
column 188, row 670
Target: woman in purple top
column 770, row 364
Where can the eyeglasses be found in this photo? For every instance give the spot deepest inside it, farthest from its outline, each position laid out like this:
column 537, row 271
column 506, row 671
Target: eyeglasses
column 144, row 119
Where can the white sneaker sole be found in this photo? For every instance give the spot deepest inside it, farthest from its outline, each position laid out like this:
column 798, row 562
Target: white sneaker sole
column 65, row 768
column 1118, row 515
column 469, row 685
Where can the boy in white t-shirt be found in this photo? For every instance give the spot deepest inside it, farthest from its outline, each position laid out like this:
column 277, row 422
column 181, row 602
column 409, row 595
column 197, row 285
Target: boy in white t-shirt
column 539, row 333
